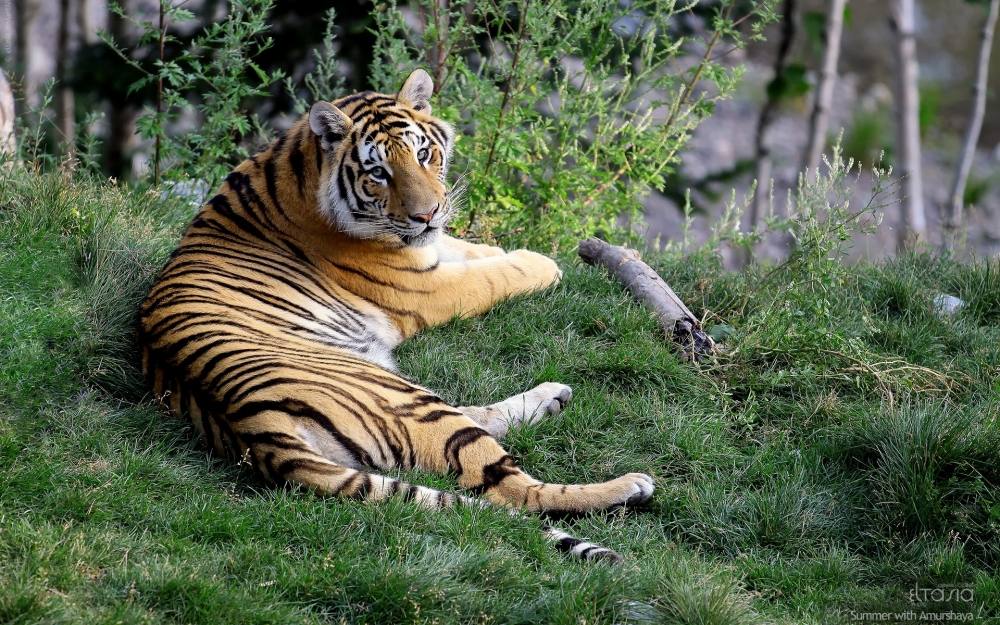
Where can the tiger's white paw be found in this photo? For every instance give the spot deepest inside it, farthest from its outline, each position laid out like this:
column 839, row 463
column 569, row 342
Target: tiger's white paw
column 546, row 399
column 633, row 489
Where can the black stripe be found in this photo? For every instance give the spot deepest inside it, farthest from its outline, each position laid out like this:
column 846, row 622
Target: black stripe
column 272, row 188
column 296, row 408
column 436, row 415
column 318, row 148
column 437, row 263
column 341, row 188
column 365, row 487
column 241, row 184
column 297, row 251
column 294, row 464
column 368, row 96
column 459, row 441
column 282, row 440
column 370, row 278
column 567, row 543
column 297, row 161
column 411, row 493
column 349, row 191
column 221, row 204
column 495, row 473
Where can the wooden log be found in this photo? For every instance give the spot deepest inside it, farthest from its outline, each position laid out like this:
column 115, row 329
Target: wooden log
column 647, row 286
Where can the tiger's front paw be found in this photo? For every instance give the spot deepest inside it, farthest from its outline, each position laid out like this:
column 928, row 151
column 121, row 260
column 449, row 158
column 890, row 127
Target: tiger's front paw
column 486, row 251
column 546, row 399
column 541, row 271
column 632, row 489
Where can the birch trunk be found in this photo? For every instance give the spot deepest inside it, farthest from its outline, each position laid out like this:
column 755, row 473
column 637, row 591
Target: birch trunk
column 8, row 144
column 19, row 74
column 953, row 217
column 914, row 222
column 64, row 100
column 763, row 149
column 824, row 91
column 121, row 120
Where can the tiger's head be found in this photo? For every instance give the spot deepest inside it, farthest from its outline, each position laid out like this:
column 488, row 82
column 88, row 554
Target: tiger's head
column 385, row 164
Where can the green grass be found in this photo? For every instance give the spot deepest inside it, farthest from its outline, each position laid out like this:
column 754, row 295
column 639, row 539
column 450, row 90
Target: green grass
column 843, row 451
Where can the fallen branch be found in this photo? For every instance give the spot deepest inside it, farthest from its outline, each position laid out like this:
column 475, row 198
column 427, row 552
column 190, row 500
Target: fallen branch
column 645, row 285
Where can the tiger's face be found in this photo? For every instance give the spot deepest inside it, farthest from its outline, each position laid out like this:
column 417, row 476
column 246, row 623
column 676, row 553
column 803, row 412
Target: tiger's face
column 385, row 164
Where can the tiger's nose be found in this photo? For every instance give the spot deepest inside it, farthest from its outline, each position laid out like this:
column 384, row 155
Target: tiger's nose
column 425, row 217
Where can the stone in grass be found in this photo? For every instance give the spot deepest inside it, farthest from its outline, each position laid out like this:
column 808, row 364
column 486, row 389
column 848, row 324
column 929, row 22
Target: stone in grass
column 193, row 190
column 8, row 145
column 947, row 304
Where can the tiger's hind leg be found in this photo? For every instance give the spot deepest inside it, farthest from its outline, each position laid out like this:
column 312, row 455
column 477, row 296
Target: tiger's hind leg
column 332, row 479
column 292, row 459
column 455, row 443
column 546, row 399
column 322, row 431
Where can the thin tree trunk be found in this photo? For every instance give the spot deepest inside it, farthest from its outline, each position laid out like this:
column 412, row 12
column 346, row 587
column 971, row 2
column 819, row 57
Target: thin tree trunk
column 8, row 144
column 121, row 119
column 953, row 219
column 159, row 101
column 824, row 92
column 20, row 73
column 64, row 101
column 86, row 35
column 767, row 114
column 914, row 223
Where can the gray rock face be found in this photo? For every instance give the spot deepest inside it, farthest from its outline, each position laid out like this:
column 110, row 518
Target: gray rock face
column 726, row 139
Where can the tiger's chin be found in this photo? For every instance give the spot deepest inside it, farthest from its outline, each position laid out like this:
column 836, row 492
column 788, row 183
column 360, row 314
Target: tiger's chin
column 383, row 233
column 392, row 238
column 422, row 239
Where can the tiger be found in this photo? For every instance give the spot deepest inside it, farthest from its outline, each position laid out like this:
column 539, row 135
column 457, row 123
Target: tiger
column 272, row 324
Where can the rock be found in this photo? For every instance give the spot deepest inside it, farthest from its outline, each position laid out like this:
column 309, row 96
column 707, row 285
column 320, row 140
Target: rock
column 193, row 190
column 947, row 304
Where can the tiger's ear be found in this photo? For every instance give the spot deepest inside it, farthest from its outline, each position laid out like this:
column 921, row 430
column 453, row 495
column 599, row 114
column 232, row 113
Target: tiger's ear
column 416, row 92
column 329, row 123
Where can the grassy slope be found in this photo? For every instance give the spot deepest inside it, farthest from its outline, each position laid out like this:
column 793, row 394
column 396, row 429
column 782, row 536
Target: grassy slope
column 844, row 450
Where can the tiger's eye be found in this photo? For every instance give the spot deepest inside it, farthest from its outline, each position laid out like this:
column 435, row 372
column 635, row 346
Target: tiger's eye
column 422, row 154
column 378, row 172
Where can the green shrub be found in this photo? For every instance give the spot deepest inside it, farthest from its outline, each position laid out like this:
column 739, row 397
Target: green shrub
column 976, row 189
column 570, row 111
column 214, row 77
